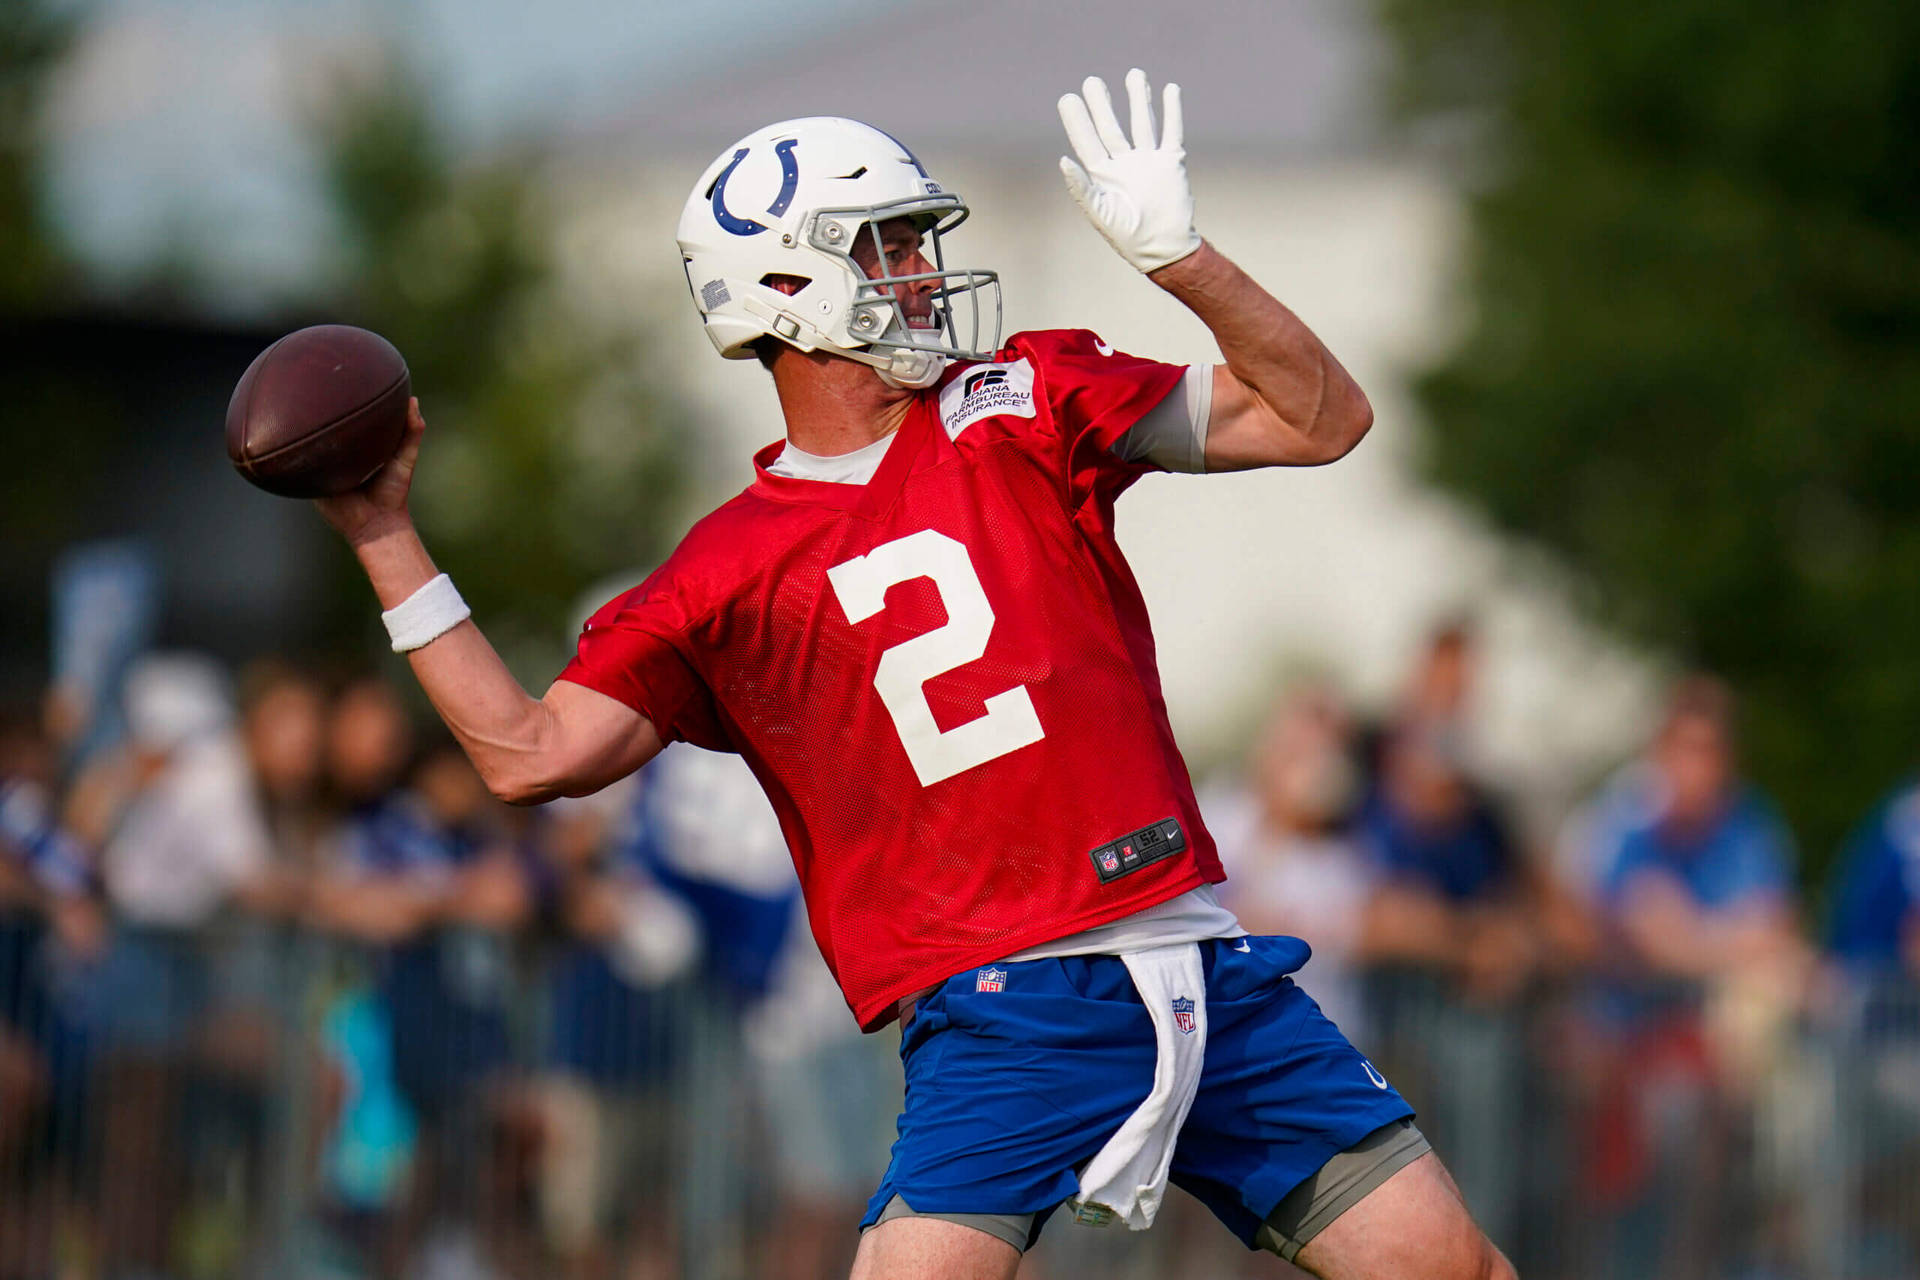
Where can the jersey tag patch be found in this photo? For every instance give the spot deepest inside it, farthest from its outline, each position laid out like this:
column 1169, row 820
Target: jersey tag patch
column 1137, row 849
column 986, row 391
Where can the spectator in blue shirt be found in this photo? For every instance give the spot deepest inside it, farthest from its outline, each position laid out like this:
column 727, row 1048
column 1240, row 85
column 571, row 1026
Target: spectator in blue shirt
column 617, row 1001
column 1693, row 883
column 1454, row 884
column 1699, row 890
column 1876, row 907
column 429, row 876
column 1453, row 929
column 1453, row 949
column 1875, row 937
column 432, row 879
column 51, row 929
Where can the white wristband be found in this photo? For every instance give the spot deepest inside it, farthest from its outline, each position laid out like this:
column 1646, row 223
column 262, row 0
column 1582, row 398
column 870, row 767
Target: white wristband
column 426, row 615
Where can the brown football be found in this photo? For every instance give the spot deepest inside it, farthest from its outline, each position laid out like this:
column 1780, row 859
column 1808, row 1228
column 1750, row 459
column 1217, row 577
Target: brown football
column 319, row 411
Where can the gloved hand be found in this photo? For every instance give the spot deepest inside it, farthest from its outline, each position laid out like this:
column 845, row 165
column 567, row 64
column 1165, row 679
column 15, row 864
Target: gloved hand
column 1135, row 194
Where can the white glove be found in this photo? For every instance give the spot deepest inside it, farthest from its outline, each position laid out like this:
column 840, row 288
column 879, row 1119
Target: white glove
column 1135, row 195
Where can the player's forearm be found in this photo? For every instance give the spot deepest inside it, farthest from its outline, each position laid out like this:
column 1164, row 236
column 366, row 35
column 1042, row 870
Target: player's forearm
column 1314, row 411
column 503, row 729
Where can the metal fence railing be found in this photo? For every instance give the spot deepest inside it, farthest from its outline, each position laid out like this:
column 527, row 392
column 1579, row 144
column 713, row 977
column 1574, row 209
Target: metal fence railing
column 260, row 1100
column 1602, row 1131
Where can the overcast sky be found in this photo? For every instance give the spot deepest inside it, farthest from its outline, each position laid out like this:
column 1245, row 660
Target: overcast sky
column 176, row 124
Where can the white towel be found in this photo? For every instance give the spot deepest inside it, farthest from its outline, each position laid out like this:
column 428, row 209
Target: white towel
column 1127, row 1178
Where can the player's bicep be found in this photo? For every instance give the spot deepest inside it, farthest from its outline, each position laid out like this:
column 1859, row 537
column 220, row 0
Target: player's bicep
column 1244, row 432
column 593, row 739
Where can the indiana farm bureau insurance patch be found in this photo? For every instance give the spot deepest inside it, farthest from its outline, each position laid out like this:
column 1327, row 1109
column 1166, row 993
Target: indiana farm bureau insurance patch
column 985, row 391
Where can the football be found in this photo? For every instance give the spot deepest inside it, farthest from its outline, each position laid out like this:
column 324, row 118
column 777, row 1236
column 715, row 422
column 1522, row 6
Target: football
column 319, row 411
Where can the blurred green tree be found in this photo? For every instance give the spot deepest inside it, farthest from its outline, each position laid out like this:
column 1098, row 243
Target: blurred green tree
column 551, row 459
column 32, row 41
column 1691, row 358
column 38, row 278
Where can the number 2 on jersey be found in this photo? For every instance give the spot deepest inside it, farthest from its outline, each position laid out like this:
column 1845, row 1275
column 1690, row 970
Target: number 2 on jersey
column 1010, row 721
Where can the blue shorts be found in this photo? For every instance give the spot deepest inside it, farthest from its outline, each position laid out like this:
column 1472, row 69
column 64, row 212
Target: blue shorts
column 1010, row 1091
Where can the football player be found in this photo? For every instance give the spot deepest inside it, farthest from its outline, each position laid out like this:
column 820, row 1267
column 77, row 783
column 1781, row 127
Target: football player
column 916, row 627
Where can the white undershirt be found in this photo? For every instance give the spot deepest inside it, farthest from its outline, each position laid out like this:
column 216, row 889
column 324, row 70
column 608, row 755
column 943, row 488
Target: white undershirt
column 1194, row 916
column 1172, row 434
column 857, row 467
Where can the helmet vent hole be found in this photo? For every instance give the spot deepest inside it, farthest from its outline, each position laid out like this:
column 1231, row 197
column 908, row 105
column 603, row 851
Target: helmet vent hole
column 780, row 282
column 861, row 172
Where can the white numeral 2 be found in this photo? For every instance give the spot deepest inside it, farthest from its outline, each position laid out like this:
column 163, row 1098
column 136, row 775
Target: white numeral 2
column 1009, row 722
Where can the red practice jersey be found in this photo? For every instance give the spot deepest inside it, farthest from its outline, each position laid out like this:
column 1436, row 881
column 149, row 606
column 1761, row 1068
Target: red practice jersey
column 944, row 678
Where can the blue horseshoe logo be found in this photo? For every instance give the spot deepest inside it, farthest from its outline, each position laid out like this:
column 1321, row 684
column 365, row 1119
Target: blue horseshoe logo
column 789, row 183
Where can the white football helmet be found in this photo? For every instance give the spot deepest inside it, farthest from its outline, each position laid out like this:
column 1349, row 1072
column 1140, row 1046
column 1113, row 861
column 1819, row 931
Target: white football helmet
column 790, row 200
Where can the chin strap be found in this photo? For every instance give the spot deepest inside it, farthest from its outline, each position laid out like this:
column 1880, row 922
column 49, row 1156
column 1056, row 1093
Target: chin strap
column 907, row 367
column 910, row 369
column 899, row 367
column 903, row 364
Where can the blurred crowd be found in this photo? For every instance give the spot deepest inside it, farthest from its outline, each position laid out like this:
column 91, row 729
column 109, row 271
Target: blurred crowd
column 1628, row 1038
column 278, row 975
column 278, row 978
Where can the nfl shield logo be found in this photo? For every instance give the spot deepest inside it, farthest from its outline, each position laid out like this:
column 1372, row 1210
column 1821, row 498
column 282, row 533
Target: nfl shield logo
column 1109, row 861
column 992, row 979
column 1183, row 1015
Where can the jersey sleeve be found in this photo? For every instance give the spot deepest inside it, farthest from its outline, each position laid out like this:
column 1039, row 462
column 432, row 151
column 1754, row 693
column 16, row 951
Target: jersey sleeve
column 634, row 650
column 1093, row 396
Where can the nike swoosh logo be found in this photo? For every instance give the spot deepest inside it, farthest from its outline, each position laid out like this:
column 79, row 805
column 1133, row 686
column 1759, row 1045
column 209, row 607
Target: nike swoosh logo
column 1102, row 347
column 1242, row 946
